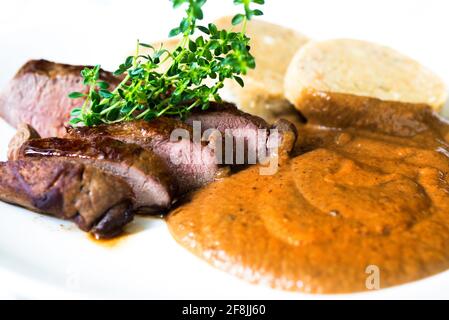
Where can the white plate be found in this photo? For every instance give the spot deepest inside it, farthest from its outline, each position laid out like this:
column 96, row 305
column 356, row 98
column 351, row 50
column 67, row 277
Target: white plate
column 41, row 257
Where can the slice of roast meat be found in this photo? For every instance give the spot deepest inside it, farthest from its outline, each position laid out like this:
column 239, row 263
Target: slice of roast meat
column 287, row 137
column 224, row 116
column 98, row 202
column 142, row 169
column 193, row 165
column 252, row 137
column 24, row 133
column 38, row 95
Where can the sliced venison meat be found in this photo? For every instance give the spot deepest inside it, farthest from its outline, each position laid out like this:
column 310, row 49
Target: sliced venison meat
column 251, row 135
column 142, row 169
column 193, row 165
column 287, row 137
column 38, row 95
column 24, row 133
column 96, row 201
column 226, row 116
column 110, row 225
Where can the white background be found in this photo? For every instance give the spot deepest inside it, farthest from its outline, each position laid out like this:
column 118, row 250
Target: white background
column 104, row 31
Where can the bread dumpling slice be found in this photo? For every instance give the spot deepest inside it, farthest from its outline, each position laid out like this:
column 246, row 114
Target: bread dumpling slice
column 359, row 75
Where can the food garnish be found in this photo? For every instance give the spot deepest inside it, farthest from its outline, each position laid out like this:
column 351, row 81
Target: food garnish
column 196, row 72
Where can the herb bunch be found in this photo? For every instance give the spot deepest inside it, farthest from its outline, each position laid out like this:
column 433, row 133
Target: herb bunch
column 146, row 92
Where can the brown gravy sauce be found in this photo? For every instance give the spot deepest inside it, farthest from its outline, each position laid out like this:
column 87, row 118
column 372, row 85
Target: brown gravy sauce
column 108, row 243
column 140, row 224
column 348, row 200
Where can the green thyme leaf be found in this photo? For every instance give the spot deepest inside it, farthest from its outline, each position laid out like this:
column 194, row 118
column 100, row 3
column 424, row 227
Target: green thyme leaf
column 103, row 84
column 238, row 19
column 75, row 95
column 174, row 32
column 75, row 121
column 203, row 29
column 105, row 93
column 239, row 81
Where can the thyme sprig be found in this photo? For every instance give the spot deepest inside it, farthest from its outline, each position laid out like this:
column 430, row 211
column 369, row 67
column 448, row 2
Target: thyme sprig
column 146, row 92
